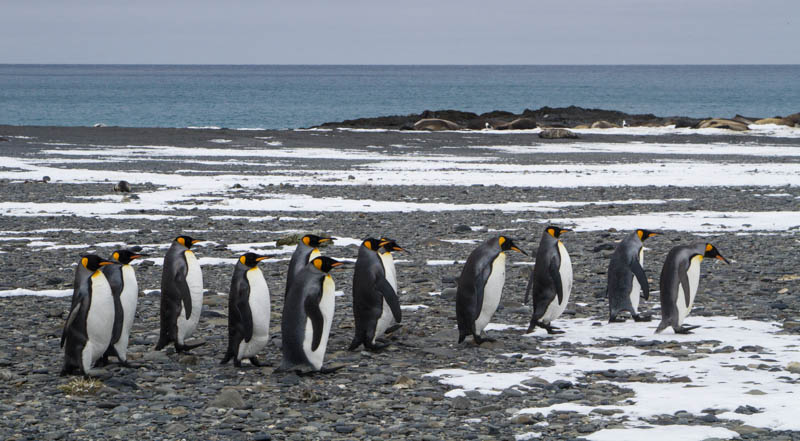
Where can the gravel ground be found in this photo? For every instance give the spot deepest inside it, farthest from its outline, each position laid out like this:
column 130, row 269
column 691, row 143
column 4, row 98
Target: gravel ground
column 383, row 395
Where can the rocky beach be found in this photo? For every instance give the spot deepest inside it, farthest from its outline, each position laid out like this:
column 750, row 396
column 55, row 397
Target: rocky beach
column 438, row 194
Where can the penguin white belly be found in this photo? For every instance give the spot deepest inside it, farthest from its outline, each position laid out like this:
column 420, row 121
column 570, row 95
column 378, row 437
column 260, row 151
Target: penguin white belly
column 129, row 298
column 194, row 279
column 99, row 321
column 259, row 311
column 387, row 318
column 555, row 309
column 492, row 292
column 636, row 289
column 693, row 274
column 326, row 305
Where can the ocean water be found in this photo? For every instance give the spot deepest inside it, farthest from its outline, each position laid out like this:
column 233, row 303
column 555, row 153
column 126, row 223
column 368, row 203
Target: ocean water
column 278, row 97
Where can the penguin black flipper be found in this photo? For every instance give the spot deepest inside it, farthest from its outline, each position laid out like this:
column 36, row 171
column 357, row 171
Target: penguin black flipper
column 315, row 315
column 243, row 307
column 78, row 300
column 528, row 288
column 555, row 274
column 480, row 283
column 184, row 296
column 684, row 280
column 638, row 271
column 385, row 288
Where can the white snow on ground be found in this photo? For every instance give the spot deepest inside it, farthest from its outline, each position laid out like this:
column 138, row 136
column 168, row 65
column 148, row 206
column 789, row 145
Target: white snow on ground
column 652, row 149
column 413, row 307
column 663, row 433
column 693, row 221
column 715, row 380
column 29, row 292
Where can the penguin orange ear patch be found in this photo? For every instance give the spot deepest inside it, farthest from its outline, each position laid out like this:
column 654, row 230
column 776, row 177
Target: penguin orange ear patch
column 84, row 262
column 318, row 263
column 709, row 247
column 640, row 233
column 552, row 232
column 116, row 256
column 242, row 259
column 181, row 241
column 306, row 240
column 502, row 240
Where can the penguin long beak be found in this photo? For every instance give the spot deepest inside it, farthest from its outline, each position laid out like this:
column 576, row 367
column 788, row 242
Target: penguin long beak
column 327, row 239
column 564, row 230
column 517, row 249
column 138, row 256
column 196, row 240
column 335, row 264
column 719, row 256
column 105, row 262
column 260, row 258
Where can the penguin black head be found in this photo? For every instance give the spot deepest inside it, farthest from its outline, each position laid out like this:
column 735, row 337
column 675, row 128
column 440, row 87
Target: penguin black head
column 374, row 244
column 251, row 260
column 556, row 231
column 314, row 240
column 712, row 251
column 125, row 256
column 390, row 245
column 644, row 234
column 93, row 262
column 507, row 244
column 325, row 263
column 186, row 241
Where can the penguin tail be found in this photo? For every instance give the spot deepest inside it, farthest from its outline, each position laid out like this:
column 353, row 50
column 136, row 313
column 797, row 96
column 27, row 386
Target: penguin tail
column 461, row 336
column 662, row 326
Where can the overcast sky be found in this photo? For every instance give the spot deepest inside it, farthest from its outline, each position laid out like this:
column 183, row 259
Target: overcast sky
column 401, row 32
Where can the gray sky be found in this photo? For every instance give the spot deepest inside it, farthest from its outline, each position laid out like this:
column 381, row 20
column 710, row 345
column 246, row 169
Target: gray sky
column 401, row 32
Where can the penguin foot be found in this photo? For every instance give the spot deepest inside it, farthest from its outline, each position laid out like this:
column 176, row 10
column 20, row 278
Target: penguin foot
column 480, row 340
column 254, row 361
column 237, row 363
column 553, row 330
column 643, row 318
column 616, row 319
column 375, row 347
column 686, row 329
column 185, row 348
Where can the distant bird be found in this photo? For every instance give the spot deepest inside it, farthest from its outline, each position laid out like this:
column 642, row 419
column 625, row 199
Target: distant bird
column 123, row 186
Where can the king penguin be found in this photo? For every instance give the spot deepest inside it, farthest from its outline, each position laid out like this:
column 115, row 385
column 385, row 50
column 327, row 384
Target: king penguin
column 181, row 295
column 481, row 285
column 307, row 316
column 626, row 278
column 680, row 278
column 248, row 311
column 387, row 323
column 122, row 279
column 551, row 280
column 307, row 249
column 371, row 290
column 89, row 326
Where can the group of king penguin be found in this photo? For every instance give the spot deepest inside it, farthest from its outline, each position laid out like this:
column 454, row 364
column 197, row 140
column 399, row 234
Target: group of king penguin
column 105, row 296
